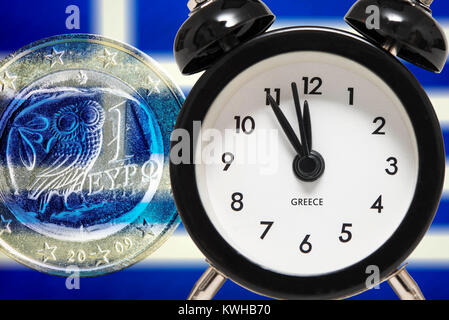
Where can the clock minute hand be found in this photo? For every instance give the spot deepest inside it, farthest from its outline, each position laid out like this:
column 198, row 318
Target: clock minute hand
column 308, row 124
column 304, row 129
column 289, row 132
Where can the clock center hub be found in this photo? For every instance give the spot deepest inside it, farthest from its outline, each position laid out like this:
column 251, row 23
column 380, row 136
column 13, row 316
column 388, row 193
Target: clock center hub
column 309, row 167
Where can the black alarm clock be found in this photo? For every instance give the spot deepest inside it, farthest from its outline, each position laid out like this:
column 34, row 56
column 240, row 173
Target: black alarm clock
column 315, row 159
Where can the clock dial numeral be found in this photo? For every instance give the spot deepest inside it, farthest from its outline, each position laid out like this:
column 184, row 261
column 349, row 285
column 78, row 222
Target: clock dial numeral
column 346, row 234
column 247, row 124
column 305, row 246
column 351, row 96
column 393, row 166
column 382, row 124
column 277, row 96
column 227, row 159
column 314, row 84
column 269, row 224
column 237, row 201
column 378, row 205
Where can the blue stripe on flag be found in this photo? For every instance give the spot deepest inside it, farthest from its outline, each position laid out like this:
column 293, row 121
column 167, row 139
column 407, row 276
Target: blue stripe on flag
column 171, row 283
column 429, row 79
column 22, row 22
column 157, row 24
column 329, row 8
column 442, row 216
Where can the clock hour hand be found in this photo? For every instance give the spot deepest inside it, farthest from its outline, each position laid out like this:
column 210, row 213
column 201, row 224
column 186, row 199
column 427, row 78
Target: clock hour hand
column 289, row 132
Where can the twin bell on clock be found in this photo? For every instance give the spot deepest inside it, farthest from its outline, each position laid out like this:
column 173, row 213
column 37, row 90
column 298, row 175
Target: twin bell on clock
column 405, row 28
column 362, row 193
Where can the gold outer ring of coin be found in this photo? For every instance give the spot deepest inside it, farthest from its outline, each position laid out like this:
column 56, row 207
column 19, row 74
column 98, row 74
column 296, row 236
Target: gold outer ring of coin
column 139, row 238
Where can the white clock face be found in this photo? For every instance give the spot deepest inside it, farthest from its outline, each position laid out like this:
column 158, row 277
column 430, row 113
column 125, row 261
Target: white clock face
column 263, row 209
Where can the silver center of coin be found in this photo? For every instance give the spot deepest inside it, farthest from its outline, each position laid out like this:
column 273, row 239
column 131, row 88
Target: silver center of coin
column 80, row 160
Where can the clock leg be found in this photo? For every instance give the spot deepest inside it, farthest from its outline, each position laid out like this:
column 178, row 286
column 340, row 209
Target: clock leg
column 405, row 286
column 208, row 285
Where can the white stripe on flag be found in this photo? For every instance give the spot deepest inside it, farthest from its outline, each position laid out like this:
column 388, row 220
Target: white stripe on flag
column 168, row 64
column 180, row 251
column 433, row 250
column 440, row 101
column 113, row 19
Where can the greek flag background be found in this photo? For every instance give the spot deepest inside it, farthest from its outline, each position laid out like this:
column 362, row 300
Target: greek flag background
column 151, row 26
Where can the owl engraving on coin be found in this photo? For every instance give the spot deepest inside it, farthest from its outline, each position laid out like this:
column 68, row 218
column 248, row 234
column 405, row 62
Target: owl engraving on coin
column 85, row 150
column 71, row 151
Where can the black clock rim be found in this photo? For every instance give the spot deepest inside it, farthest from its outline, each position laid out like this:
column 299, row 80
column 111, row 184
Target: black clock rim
column 350, row 280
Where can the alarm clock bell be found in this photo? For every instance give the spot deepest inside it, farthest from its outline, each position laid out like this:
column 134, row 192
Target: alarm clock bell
column 405, row 28
column 216, row 27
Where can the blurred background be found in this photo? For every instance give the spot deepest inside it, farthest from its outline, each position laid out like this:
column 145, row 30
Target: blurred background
column 151, row 26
